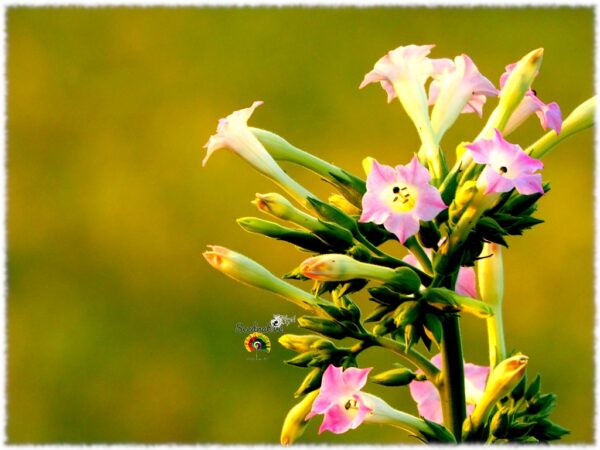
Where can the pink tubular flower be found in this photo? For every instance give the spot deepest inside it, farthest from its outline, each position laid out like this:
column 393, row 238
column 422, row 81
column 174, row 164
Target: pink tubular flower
column 428, row 399
column 340, row 399
column 402, row 63
column 465, row 282
column 460, row 87
column 399, row 197
column 507, row 166
column 549, row 114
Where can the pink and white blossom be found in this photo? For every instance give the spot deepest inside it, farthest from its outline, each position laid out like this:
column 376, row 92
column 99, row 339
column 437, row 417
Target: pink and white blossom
column 507, row 166
column 459, row 88
column 399, row 197
column 340, row 401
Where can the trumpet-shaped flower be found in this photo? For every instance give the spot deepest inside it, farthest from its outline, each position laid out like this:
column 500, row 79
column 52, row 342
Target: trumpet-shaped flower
column 460, row 88
column 403, row 63
column 507, row 166
column 233, row 134
column 340, row 401
column 549, row 114
column 428, row 399
column 465, row 281
column 399, row 197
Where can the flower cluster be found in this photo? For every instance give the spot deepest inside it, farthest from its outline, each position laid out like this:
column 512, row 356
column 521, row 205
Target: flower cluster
column 451, row 222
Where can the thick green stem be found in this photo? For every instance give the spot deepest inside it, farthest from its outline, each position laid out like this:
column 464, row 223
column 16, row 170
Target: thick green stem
column 452, row 390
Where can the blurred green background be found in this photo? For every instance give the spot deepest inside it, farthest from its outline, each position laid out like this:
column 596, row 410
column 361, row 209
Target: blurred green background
column 118, row 329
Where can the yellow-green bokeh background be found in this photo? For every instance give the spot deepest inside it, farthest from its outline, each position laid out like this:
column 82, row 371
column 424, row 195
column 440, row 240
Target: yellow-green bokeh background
column 118, row 329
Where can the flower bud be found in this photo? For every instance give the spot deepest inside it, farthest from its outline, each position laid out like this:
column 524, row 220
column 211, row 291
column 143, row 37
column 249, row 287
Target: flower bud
column 311, row 382
column 295, row 423
column 502, row 380
column 299, row 343
column 247, row 271
column 394, row 377
column 445, row 299
column 517, row 84
column 325, row 327
column 406, row 313
column 338, row 267
column 343, row 204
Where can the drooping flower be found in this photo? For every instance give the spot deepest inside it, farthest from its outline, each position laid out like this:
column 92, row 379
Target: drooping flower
column 399, row 197
column 340, row 399
column 507, row 166
column 549, row 114
column 459, row 88
column 233, row 134
column 465, row 281
column 428, row 399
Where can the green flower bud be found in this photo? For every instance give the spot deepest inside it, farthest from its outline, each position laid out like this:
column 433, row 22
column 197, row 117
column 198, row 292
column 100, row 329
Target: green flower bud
column 447, row 300
column 273, row 230
column 499, row 423
column 340, row 202
column 406, row 313
column 394, row 377
column 302, row 360
column 247, row 271
column 294, row 423
column 326, row 327
column 299, row 343
column 517, row 84
column 405, row 281
column 311, row 382
column 338, row 267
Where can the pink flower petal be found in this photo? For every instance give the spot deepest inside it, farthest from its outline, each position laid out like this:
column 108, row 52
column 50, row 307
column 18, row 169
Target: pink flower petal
column 336, row 420
column 363, row 411
column 355, row 379
column 550, row 117
column 413, row 173
column 429, row 203
column 495, row 182
column 402, row 225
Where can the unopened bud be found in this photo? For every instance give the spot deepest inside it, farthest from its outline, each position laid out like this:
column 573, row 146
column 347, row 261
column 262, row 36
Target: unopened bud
column 299, row 343
column 394, row 377
column 294, row 423
column 502, row 380
column 247, row 271
column 311, row 382
column 338, row 267
column 343, row 204
column 517, row 84
column 325, row 327
column 406, row 313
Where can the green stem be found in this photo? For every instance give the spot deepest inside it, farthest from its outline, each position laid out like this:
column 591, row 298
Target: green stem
column 496, row 344
column 418, row 252
column 411, row 355
column 452, row 390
